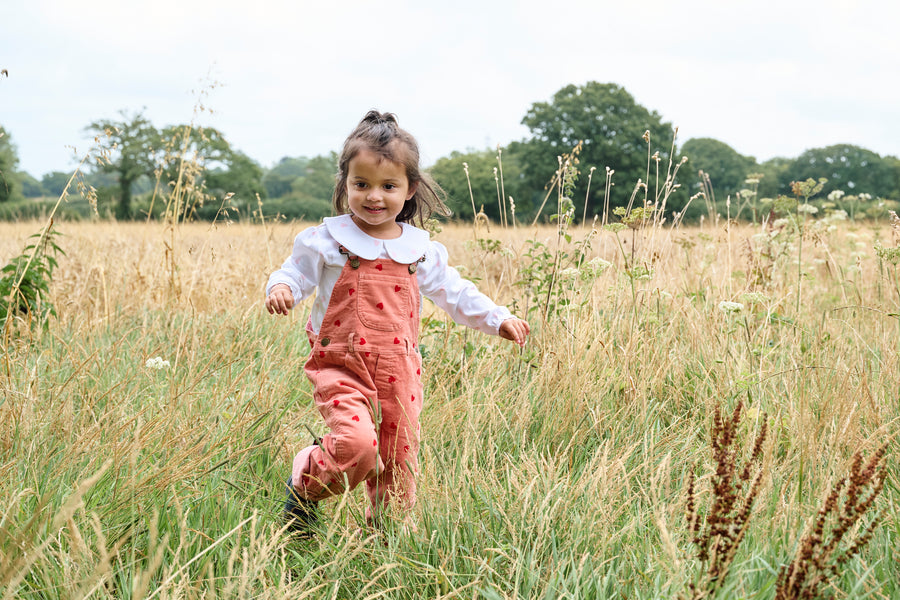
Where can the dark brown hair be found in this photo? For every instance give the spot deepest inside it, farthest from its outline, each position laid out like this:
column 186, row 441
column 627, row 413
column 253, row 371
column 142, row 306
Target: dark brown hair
column 381, row 133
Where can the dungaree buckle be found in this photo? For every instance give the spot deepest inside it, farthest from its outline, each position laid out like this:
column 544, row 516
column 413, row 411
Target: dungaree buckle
column 413, row 266
column 352, row 258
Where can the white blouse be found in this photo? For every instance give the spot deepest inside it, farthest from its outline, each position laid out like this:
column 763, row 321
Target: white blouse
column 316, row 264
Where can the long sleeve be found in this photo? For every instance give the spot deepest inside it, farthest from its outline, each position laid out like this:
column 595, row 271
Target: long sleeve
column 459, row 297
column 303, row 269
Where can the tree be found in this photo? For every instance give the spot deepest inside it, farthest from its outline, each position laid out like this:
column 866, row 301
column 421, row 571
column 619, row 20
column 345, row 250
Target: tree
column 610, row 125
column 10, row 186
column 203, row 157
column 279, row 178
column 31, row 187
column 847, row 168
column 450, row 174
column 54, row 183
column 130, row 146
column 311, row 188
column 241, row 176
column 727, row 169
column 773, row 174
column 317, row 185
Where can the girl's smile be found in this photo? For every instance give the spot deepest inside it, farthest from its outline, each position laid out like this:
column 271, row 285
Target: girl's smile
column 377, row 189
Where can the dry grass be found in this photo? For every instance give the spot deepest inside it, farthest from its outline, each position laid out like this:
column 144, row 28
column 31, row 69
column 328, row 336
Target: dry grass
column 559, row 471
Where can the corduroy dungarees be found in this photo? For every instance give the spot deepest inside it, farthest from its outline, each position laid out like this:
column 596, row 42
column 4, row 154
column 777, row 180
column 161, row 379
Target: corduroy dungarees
column 366, row 371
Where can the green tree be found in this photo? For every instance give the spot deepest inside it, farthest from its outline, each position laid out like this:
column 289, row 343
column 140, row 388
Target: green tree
column 278, row 179
column 847, row 168
column 54, row 183
column 310, row 194
column 313, row 191
column 450, row 174
column 204, row 157
column 241, row 176
column 610, row 124
column 10, row 186
column 773, row 173
column 131, row 146
column 727, row 169
column 893, row 164
column 31, row 187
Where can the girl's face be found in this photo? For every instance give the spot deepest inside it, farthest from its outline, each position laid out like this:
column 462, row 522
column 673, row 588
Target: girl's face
column 377, row 188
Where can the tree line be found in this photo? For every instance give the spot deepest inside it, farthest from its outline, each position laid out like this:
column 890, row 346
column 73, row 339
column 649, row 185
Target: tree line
column 616, row 150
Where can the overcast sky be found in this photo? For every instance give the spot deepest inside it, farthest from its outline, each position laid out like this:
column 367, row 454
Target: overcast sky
column 769, row 78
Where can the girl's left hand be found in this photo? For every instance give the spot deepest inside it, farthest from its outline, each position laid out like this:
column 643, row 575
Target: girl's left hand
column 515, row 330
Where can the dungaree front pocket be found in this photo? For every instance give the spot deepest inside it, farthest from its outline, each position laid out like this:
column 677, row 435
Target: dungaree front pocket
column 383, row 301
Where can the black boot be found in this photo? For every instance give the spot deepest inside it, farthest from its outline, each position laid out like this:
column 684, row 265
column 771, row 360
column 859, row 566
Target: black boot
column 299, row 513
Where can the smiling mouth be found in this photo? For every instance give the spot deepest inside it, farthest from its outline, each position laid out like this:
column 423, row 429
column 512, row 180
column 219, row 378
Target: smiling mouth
column 374, row 209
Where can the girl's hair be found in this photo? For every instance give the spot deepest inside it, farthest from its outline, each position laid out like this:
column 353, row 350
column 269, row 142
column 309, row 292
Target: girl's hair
column 381, row 133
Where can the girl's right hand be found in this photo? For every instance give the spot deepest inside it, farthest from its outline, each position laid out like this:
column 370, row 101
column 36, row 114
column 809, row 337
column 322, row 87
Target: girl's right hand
column 280, row 300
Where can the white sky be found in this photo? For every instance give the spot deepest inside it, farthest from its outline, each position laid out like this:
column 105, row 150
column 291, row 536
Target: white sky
column 769, row 78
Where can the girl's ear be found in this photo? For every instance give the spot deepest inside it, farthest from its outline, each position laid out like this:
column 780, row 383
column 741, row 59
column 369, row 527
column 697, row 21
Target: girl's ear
column 412, row 190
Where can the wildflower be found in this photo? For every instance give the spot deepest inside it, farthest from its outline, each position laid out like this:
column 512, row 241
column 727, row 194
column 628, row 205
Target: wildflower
column 596, row 266
column 569, row 274
column 640, row 273
column 865, row 197
column 780, row 223
column 157, row 363
column 835, row 195
column 807, row 208
column 728, row 307
column 891, row 255
column 753, row 298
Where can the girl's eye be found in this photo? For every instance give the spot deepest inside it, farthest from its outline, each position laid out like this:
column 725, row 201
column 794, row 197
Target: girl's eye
column 389, row 186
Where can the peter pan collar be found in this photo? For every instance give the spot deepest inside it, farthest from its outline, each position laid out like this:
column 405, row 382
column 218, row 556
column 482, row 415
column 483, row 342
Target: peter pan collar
column 406, row 249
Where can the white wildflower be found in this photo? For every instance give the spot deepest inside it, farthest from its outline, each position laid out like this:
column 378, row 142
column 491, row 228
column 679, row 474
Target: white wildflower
column 569, row 274
column 808, row 209
column 754, row 298
column 596, row 266
column 835, row 195
column 728, row 307
column 865, row 197
column 780, row 223
column 157, row 363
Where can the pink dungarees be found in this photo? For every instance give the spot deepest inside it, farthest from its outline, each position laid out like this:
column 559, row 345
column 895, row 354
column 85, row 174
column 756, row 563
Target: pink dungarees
column 367, row 373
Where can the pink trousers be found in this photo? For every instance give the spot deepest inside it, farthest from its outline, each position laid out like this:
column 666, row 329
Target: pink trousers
column 366, row 371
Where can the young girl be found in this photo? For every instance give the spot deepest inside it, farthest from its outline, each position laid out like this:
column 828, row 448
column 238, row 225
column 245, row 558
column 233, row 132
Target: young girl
column 369, row 267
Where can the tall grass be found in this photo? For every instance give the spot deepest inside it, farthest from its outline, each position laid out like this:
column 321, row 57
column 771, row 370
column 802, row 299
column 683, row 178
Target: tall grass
column 559, row 471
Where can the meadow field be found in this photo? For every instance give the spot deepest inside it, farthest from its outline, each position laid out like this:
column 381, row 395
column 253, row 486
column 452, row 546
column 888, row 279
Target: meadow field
column 704, row 411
